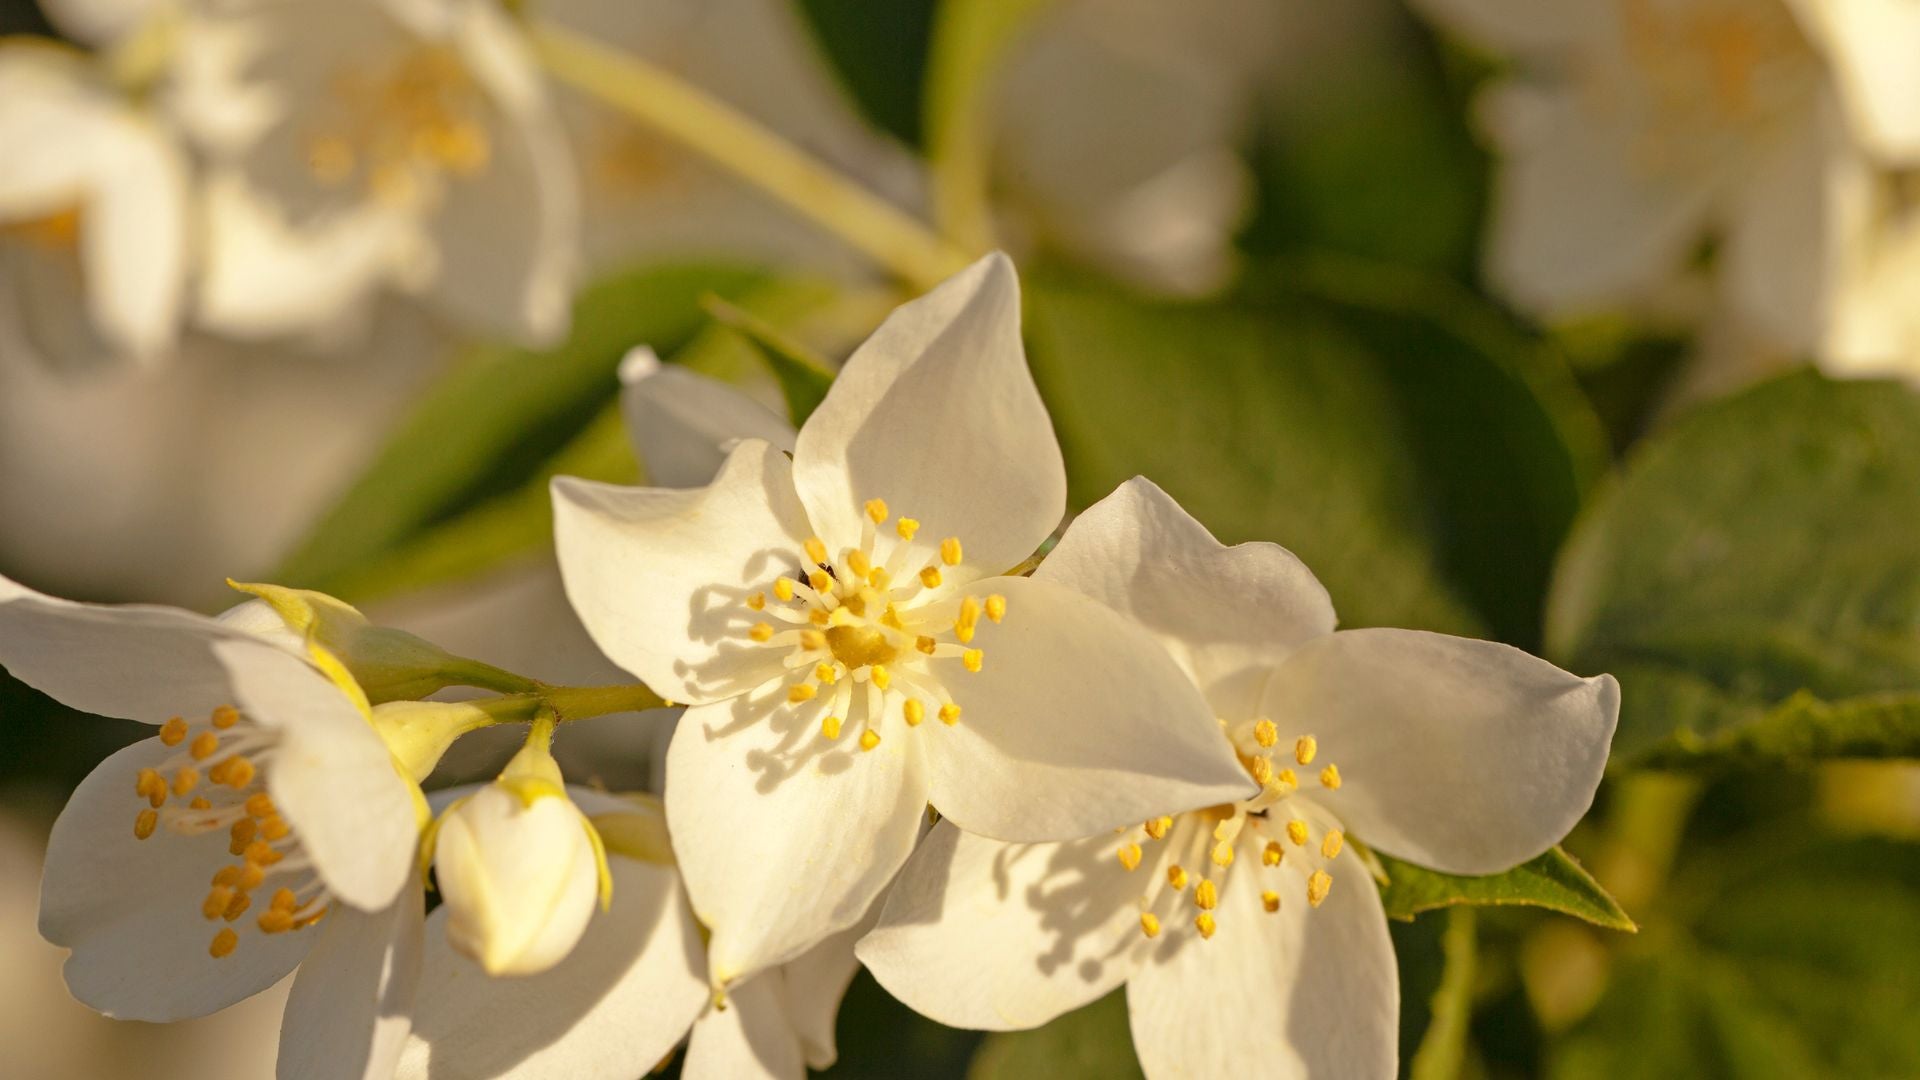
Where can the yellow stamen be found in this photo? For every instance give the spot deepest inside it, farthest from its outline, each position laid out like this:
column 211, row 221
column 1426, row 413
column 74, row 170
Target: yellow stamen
column 881, row 677
column 830, row 727
column 925, row 644
column 826, row 673
column 972, row 659
column 259, row 854
column 275, row 829
column 996, row 607
column 969, row 618
column 225, row 717
column 800, row 693
column 783, row 589
column 1317, row 887
column 761, row 632
column 239, row 772
column 1157, row 827
column 224, row 943
column 906, row 527
column 185, row 780
column 1205, row 924
column 250, row 875
column 1330, row 777
column 204, row 745
column 949, row 714
column 858, row 562
column 818, row 580
column 237, row 906
column 1176, row 877
column 915, row 712
column 1130, row 856
column 1304, row 748
column 144, row 825
column 1273, row 853
column 1266, row 734
column 1330, row 846
column 877, row 511
column 276, row 921
column 1149, row 924
column 813, row 640
column 816, row 550
column 227, row 875
column 173, row 732
column 950, row 551
column 869, row 739
column 1206, row 895
column 241, row 835
column 1262, row 771
column 757, row 601
column 879, row 578
column 1288, row 780
column 1223, row 853
column 1297, row 832
column 200, row 803
column 260, row 805
column 216, row 902
column 930, row 577
column 1270, row 900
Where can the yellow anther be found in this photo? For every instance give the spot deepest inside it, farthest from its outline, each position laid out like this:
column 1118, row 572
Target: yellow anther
column 915, row 711
column 275, row 921
column 173, row 732
column 881, row 677
column 1287, row 780
column 1330, row 777
column 761, row 632
column 225, row 717
column 877, row 511
column 826, row 673
column 216, row 902
column 227, row 875
column 250, row 875
column 237, row 906
column 869, row 739
column 801, row 692
column 283, row 899
column 1297, row 832
column 1205, row 924
column 204, row 745
column 1304, row 748
column 1270, row 900
column 930, row 577
column 972, row 659
column 1272, row 854
column 147, row 781
column 1317, row 887
column 816, row 550
column 239, row 772
column 783, row 589
column 906, row 527
column 200, row 803
column 925, row 644
column 224, row 943
column 858, row 562
column 242, row 834
column 996, row 607
column 1206, row 895
column 950, row 551
column 1176, row 877
column 185, row 780
column 1149, row 924
column 259, row 804
column 1330, row 846
column 1262, row 770
column 1130, row 856
column 830, row 727
column 1223, row 853
column 812, row 640
column 820, row 616
column 1266, row 734
column 1157, row 827
column 949, row 714
column 757, row 601
column 818, row 580
column 879, row 578
column 275, row 829
column 144, row 824
column 259, row 854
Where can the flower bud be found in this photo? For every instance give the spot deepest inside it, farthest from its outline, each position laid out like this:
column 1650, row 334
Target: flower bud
column 519, row 870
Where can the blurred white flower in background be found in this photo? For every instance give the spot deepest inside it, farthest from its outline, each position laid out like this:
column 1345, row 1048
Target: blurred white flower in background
column 1635, row 133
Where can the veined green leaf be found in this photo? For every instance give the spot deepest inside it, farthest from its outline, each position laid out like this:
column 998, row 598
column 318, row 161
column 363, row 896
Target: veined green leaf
column 804, row 375
column 1553, row 880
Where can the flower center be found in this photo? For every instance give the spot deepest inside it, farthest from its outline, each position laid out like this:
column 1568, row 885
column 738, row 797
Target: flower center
column 400, row 129
column 869, row 619
column 216, row 781
column 1281, row 830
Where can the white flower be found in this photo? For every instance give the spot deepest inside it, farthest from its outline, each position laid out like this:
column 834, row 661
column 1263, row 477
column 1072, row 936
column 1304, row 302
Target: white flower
column 630, row 991
column 188, row 870
column 376, row 143
column 846, row 666
column 519, row 867
column 1638, row 129
column 1463, row 755
column 93, row 216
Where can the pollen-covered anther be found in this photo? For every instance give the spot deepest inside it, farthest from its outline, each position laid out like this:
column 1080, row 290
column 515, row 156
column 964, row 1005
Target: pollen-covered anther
column 1262, row 770
column 1270, row 900
column 915, row 711
column 830, row 727
column 1149, row 924
column 877, row 511
column 144, row 824
column 930, row 577
column 223, row 944
column 816, row 550
column 881, row 677
column 996, row 608
column 967, row 621
column 761, row 632
column 225, row 717
column 1266, row 734
column 1297, row 832
column 1330, row 845
column 757, row 601
column 906, row 527
column 1204, row 923
column 1330, row 777
column 950, row 714
column 174, row 731
column 1304, row 748
column 869, row 739
column 801, row 692
column 858, row 562
column 1157, row 827
column 204, row 746
column 1272, row 854
column 1130, row 856
column 1317, row 887
column 783, row 589
column 1176, row 877
column 1286, row 781
column 1222, row 853
column 972, row 659
column 1206, row 895
column 950, row 552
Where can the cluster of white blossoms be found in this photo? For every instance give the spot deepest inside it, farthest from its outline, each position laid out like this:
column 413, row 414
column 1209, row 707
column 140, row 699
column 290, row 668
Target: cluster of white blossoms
column 1150, row 759
column 1784, row 133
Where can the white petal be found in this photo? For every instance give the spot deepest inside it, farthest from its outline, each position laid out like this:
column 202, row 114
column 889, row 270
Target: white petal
column 1466, row 756
column 751, row 1037
column 1078, row 721
column 1227, row 614
column 614, row 1008
column 134, row 236
column 784, row 839
column 331, row 775
column 981, row 934
column 684, row 423
column 352, row 1001
column 130, row 909
column 938, row 415
column 816, row 980
column 97, row 22
column 1873, row 43
column 518, row 879
column 1301, row 992
column 133, row 661
column 660, row 577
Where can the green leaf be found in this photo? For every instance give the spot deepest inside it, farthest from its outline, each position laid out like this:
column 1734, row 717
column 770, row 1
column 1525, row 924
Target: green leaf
column 1786, row 955
column 1553, row 880
column 486, row 426
column 879, row 51
column 1752, row 579
column 804, row 375
column 1093, row 1041
column 1267, row 423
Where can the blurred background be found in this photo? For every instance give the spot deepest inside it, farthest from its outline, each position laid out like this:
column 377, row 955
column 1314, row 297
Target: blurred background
column 1584, row 325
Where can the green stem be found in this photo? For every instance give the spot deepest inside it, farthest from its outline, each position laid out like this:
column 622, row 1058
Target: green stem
column 689, row 116
column 970, row 41
column 483, row 676
column 1443, row 1049
column 559, row 704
